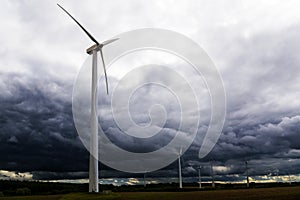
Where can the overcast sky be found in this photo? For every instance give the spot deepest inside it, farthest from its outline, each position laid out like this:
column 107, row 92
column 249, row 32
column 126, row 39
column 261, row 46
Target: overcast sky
column 255, row 46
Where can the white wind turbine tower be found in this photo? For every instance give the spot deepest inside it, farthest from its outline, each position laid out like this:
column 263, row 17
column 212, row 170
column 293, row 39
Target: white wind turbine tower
column 179, row 168
column 247, row 173
column 93, row 50
column 290, row 180
column 144, row 179
column 199, row 174
column 212, row 175
column 277, row 172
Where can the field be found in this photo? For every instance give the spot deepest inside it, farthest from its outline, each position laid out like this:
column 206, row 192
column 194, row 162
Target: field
column 278, row 193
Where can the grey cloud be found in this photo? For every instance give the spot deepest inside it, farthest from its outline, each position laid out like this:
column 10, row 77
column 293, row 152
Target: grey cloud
column 42, row 175
column 38, row 127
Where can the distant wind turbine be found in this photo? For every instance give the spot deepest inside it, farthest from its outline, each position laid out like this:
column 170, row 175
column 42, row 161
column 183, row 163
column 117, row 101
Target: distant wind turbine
column 247, row 173
column 144, row 179
column 199, row 173
column 93, row 50
column 179, row 168
column 290, row 180
column 277, row 172
column 212, row 175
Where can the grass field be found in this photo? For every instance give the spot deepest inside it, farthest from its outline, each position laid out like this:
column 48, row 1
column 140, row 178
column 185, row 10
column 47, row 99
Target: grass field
column 279, row 193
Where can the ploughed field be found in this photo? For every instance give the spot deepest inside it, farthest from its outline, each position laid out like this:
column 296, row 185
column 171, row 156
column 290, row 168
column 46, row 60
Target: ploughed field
column 277, row 193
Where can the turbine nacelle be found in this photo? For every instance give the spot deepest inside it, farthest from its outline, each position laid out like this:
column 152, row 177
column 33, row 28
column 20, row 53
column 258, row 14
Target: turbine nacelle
column 98, row 47
column 94, row 47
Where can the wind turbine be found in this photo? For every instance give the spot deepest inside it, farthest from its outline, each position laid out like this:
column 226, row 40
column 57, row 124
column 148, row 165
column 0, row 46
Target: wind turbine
column 212, row 175
column 179, row 168
column 144, row 179
column 93, row 50
column 199, row 173
column 290, row 180
column 246, row 163
column 277, row 172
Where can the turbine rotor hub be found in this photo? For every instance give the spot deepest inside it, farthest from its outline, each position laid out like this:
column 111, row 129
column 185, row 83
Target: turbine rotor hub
column 96, row 47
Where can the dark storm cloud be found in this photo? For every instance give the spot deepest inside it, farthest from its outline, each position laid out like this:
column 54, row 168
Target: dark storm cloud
column 44, row 175
column 262, row 124
column 264, row 146
column 36, row 126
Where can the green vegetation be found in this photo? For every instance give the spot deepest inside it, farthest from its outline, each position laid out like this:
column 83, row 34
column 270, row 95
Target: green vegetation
column 278, row 193
column 38, row 197
column 34, row 190
column 87, row 196
column 23, row 191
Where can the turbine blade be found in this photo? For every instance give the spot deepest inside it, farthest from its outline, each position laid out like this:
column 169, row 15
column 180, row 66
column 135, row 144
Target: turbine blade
column 102, row 58
column 109, row 41
column 90, row 36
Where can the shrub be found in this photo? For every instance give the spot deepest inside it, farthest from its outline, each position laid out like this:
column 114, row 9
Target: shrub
column 23, row 191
